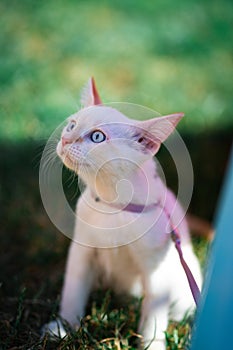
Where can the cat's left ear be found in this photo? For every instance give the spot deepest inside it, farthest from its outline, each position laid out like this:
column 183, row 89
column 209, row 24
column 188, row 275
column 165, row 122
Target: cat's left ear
column 90, row 95
column 151, row 133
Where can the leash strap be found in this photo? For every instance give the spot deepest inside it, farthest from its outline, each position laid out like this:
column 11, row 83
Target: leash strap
column 191, row 280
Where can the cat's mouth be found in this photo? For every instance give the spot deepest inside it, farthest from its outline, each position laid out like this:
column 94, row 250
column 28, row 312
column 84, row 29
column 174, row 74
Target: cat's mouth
column 66, row 157
column 68, row 161
column 74, row 164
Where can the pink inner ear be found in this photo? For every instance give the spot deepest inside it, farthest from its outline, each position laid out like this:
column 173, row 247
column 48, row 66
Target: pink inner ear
column 96, row 96
column 149, row 144
column 147, row 141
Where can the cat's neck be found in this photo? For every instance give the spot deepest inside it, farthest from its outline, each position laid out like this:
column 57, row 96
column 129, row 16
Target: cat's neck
column 143, row 186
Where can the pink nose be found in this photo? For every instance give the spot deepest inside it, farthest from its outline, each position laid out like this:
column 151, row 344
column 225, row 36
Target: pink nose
column 65, row 141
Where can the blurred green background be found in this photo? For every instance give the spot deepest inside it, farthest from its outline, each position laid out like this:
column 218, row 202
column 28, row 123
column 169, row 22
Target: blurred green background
column 164, row 54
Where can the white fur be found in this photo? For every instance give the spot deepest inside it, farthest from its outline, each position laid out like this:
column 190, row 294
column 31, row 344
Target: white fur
column 148, row 265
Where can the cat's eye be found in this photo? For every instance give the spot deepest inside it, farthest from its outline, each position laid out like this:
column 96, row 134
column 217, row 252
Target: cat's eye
column 98, row 136
column 71, row 125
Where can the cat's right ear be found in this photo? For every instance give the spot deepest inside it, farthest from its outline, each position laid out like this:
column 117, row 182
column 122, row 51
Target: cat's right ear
column 90, row 95
column 151, row 133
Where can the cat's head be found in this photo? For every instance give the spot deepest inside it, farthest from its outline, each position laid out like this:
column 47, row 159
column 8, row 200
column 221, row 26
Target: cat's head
column 101, row 141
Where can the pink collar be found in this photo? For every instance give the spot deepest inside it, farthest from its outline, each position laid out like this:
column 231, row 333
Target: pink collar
column 132, row 207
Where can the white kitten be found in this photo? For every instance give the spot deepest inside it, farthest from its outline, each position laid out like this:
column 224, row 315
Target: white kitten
column 127, row 207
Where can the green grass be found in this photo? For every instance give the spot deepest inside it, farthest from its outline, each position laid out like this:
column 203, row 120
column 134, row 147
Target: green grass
column 110, row 324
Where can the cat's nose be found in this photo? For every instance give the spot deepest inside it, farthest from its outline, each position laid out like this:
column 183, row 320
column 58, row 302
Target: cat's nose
column 65, row 141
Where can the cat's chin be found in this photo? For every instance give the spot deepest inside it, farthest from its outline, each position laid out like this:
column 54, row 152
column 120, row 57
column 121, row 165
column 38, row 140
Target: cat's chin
column 69, row 163
column 70, row 166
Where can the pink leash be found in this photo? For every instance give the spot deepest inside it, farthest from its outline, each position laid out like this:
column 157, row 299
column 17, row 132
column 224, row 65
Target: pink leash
column 138, row 208
column 191, row 280
column 177, row 241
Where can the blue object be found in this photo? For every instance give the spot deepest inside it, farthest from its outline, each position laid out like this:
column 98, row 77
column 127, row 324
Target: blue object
column 214, row 324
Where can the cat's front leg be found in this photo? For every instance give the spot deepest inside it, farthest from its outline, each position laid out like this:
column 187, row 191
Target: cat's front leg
column 76, row 289
column 154, row 321
column 77, row 284
column 155, row 311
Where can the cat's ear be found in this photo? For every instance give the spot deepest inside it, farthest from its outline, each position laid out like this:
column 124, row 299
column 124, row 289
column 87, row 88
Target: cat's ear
column 151, row 133
column 90, row 95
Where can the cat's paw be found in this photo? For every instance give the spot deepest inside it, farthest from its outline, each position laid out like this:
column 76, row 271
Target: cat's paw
column 54, row 329
column 156, row 345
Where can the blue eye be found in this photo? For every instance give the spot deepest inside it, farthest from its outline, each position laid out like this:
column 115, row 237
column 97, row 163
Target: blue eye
column 98, row 136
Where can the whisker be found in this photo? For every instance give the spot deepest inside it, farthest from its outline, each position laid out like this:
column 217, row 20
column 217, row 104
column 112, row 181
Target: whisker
column 49, row 157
